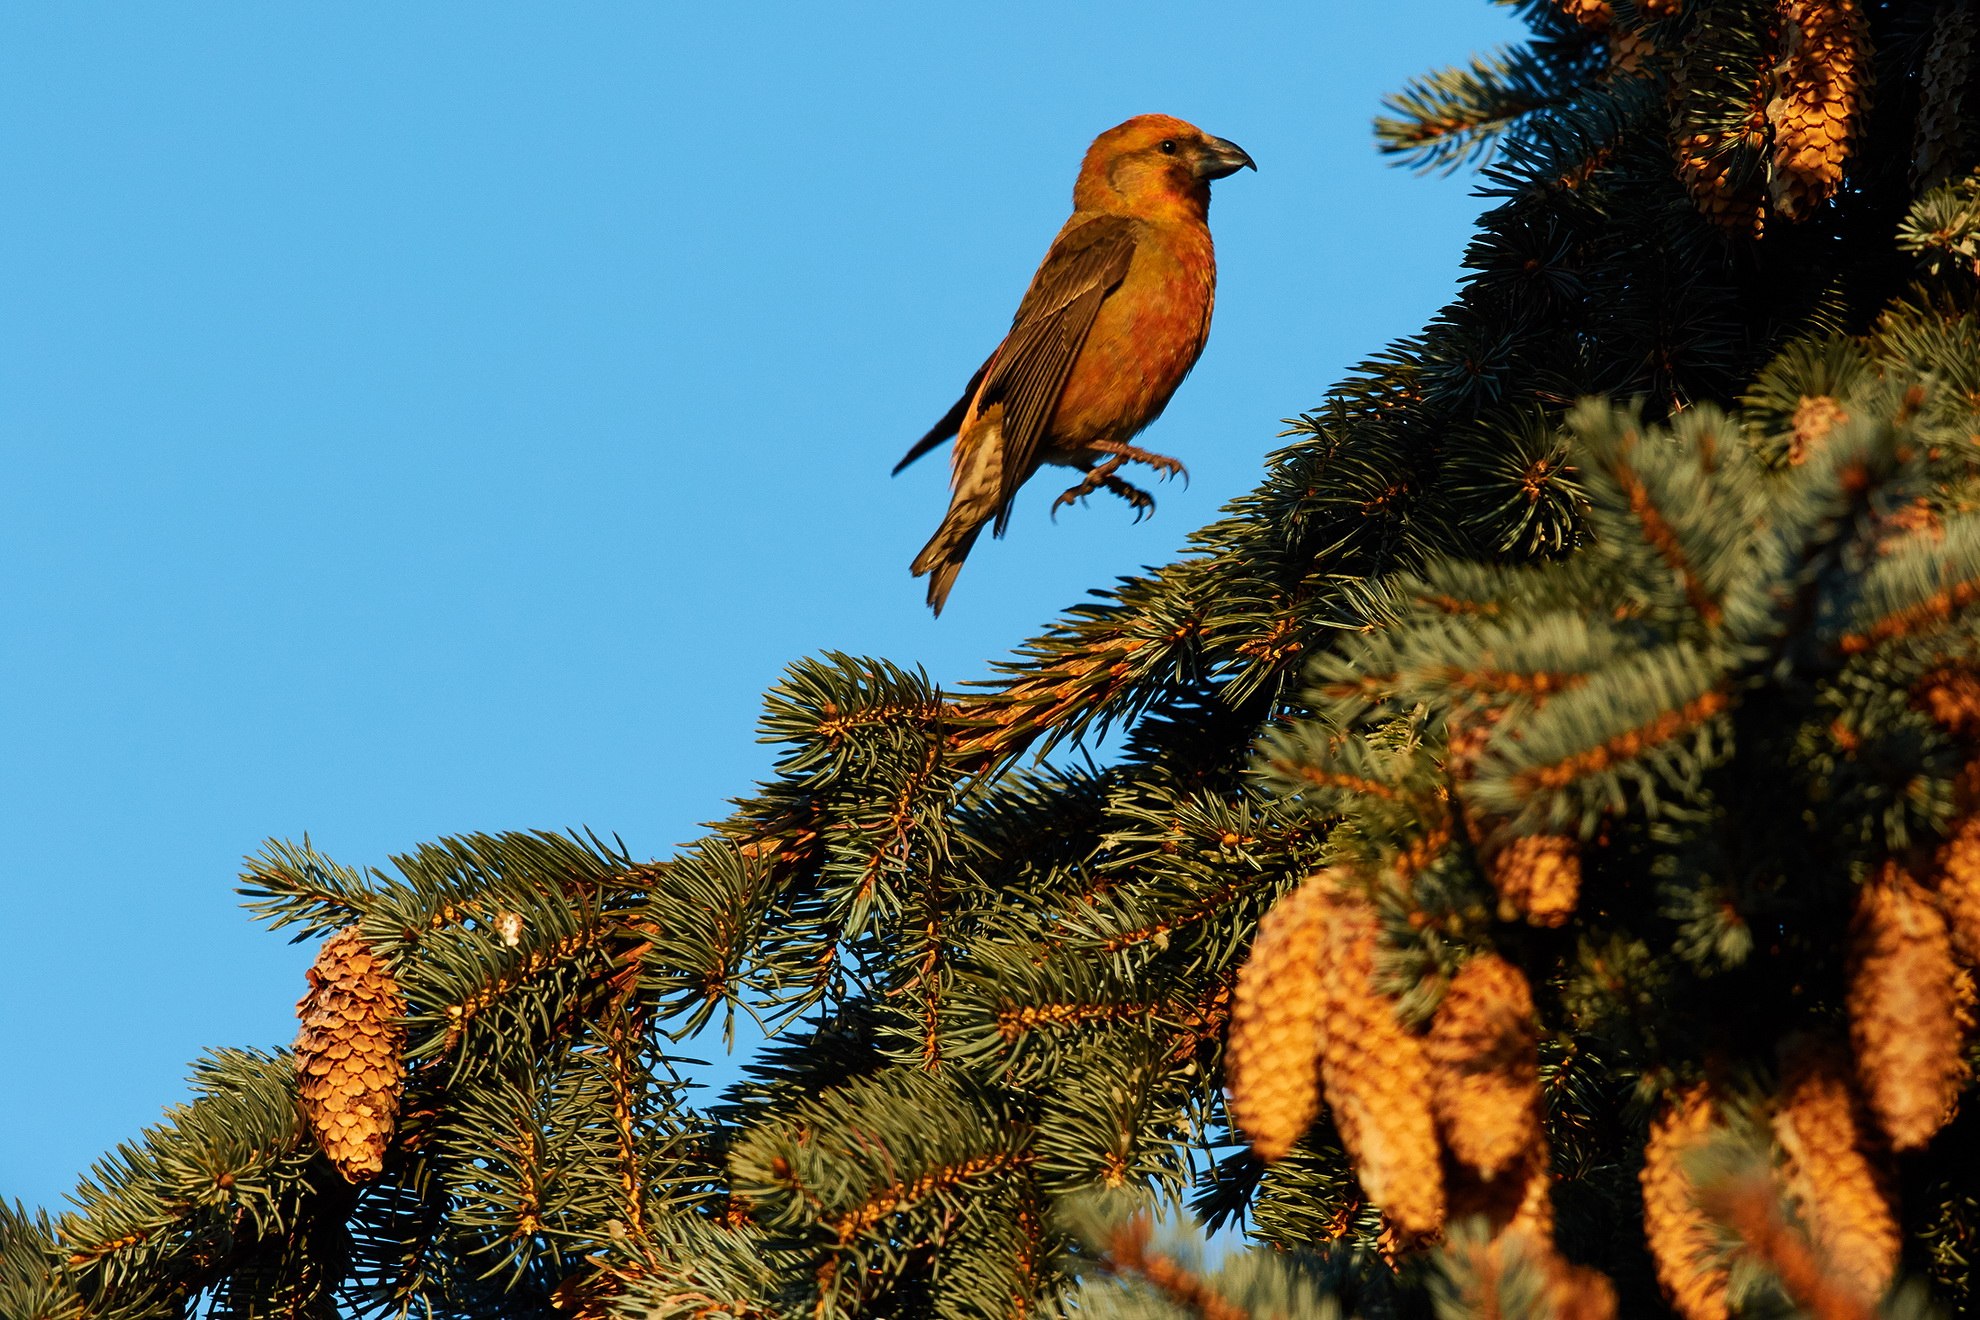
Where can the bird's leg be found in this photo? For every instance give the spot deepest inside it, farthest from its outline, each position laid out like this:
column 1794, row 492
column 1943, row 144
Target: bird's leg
column 1162, row 463
column 1102, row 477
column 1096, row 477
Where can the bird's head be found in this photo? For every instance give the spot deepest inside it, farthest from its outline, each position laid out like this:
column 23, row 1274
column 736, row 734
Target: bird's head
column 1155, row 166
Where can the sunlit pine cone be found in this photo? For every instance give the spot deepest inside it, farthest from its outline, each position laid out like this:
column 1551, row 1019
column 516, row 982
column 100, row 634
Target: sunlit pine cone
column 1939, row 144
column 1377, row 1083
column 1823, row 77
column 1538, row 878
column 1719, row 166
column 1834, row 1168
column 1952, row 698
column 1958, row 890
column 1272, row 1056
column 1718, row 190
column 1519, row 1201
column 1815, row 415
column 1595, row 14
column 1485, row 1067
column 1904, row 1011
column 1681, row 1236
column 350, row 1054
column 1578, row 1292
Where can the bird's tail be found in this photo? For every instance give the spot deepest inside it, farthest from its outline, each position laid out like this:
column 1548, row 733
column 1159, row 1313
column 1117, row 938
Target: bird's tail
column 942, row 558
column 973, row 501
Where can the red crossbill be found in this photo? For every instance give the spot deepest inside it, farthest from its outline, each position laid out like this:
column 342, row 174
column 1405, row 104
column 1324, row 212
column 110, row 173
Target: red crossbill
column 1114, row 319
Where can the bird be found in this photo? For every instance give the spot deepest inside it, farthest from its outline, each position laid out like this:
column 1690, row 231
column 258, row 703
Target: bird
column 1115, row 317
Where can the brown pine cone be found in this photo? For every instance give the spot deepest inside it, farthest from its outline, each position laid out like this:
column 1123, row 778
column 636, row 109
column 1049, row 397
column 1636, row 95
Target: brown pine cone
column 1377, row 1083
column 1834, row 1168
column 1904, row 1011
column 1485, row 1067
column 1823, row 80
column 1958, row 890
column 350, row 1061
column 1680, row 1235
column 1939, row 146
column 1538, row 877
column 1272, row 1057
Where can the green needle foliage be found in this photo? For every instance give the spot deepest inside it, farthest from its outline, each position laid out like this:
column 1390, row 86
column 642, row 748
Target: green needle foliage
column 1658, row 546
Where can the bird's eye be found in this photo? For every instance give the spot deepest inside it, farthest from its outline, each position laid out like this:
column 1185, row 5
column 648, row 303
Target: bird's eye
column 1168, row 146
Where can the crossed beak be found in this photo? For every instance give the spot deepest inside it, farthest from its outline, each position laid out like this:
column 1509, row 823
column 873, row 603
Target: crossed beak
column 1221, row 157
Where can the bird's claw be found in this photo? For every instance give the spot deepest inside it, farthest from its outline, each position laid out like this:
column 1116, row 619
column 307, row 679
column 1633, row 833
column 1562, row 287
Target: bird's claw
column 1162, row 463
column 1138, row 499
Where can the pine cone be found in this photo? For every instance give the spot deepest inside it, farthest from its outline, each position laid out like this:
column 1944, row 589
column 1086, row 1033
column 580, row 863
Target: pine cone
column 1485, row 1069
column 1538, row 877
column 1629, row 52
column 1834, row 1171
column 1520, row 1200
column 1904, row 1015
column 1823, row 77
column 1272, row 1058
column 1578, row 1292
column 1377, row 1082
column 1959, row 888
column 1815, row 415
column 1952, row 698
column 1595, row 14
column 1680, row 1235
column 349, row 1054
column 1719, row 164
column 1939, row 145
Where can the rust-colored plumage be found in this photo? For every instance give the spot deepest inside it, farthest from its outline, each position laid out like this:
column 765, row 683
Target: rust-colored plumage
column 1114, row 319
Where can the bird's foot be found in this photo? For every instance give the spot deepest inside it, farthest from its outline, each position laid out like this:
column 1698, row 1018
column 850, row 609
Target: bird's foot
column 1096, row 477
column 1162, row 463
column 1103, row 478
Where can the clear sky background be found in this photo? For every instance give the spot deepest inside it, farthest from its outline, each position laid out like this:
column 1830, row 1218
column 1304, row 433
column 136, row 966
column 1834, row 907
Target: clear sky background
column 427, row 418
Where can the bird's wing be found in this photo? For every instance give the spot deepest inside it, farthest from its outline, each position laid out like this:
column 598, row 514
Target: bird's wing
column 1028, row 372
column 951, row 422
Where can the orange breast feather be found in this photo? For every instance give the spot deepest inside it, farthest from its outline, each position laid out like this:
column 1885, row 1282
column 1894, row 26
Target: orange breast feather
column 1148, row 335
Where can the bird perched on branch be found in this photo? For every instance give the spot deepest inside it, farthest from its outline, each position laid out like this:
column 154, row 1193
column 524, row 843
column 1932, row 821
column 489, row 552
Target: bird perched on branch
column 1114, row 319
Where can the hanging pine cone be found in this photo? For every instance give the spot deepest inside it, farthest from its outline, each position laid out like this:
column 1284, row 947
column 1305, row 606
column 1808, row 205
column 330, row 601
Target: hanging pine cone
column 1904, row 1010
column 1518, row 1202
column 1958, row 891
column 1680, row 1235
column 1834, row 1169
column 350, row 1054
column 1720, row 163
column 1952, row 698
column 1377, row 1083
column 1823, row 78
column 1485, row 1067
column 1595, row 14
column 1939, row 142
column 1814, row 417
column 1577, row 1292
column 1538, row 877
column 1272, row 1058
column 1630, row 53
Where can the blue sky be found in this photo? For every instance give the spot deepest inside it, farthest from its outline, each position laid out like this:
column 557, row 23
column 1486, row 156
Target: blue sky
column 444, row 417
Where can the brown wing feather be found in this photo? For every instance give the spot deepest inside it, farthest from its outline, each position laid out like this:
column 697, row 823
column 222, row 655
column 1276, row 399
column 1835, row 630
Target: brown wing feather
column 1028, row 372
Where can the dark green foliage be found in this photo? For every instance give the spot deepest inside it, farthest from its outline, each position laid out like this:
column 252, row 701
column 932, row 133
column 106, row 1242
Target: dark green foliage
column 1647, row 541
